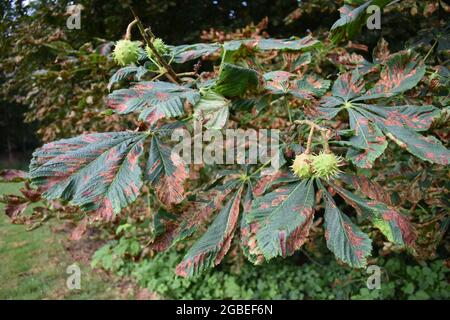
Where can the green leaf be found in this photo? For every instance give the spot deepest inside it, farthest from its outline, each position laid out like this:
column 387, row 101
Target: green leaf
column 167, row 172
column 272, row 44
column 155, row 100
column 352, row 20
column 345, row 239
column 212, row 110
column 210, row 249
column 127, row 73
column 98, row 171
column 282, row 219
column 234, row 80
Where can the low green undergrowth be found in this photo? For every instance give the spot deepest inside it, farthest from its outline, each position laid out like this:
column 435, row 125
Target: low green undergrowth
column 284, row 279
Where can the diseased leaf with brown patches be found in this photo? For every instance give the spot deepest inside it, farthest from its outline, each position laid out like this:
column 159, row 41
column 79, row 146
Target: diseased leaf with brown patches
column 193, row 217
column 99, row 172
column 184, row 53
column 368, row 143
column 127, row 73
column 286, row 83
column 348, row 86
column 14, row 207
column 266, row 181
column 155, row 100
column 13, row 175
column 352, row 19
column 369, row 188
column 426, row 148
column 248, row 232
column 391, row 223
column 167, row 172
column 344, row 238
column 282, row 218
column 210, row 249
column 400, row 123
column 418, row 118
column 402, row 72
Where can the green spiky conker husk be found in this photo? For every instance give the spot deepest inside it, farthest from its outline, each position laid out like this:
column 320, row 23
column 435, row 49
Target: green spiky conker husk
column 126, row 52
column 326, row 165
column 159, row 45
column 302, row 166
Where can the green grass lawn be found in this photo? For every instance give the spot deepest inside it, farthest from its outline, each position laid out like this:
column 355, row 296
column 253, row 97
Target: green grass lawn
column 33, row 264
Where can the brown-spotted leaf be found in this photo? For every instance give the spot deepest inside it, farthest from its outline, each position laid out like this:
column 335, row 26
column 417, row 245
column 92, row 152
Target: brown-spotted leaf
column 402, row 72
column 389, row 221
column 368, row 143
column 281, row 219
column 210, row 249
column 13, row 175
column 348, row 86
column 167, row 172
column 345, row 239
column 99, row 172
column 155, row 100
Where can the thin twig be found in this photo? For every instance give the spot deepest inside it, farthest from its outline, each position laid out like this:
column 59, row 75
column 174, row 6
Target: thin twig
column 310, row 138
column 130, row 26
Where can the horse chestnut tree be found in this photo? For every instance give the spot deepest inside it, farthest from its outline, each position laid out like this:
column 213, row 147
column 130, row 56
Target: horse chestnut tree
column 333, row 128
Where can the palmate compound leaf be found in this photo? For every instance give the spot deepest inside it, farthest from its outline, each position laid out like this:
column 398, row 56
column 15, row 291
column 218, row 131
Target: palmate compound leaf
column 210, row 249
column 281, row 219
column 166, row 171
column 344, row 239
column 184, row 53
column 396, row 227
column 154, row 99
column 98, row 172
column 400, row 123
